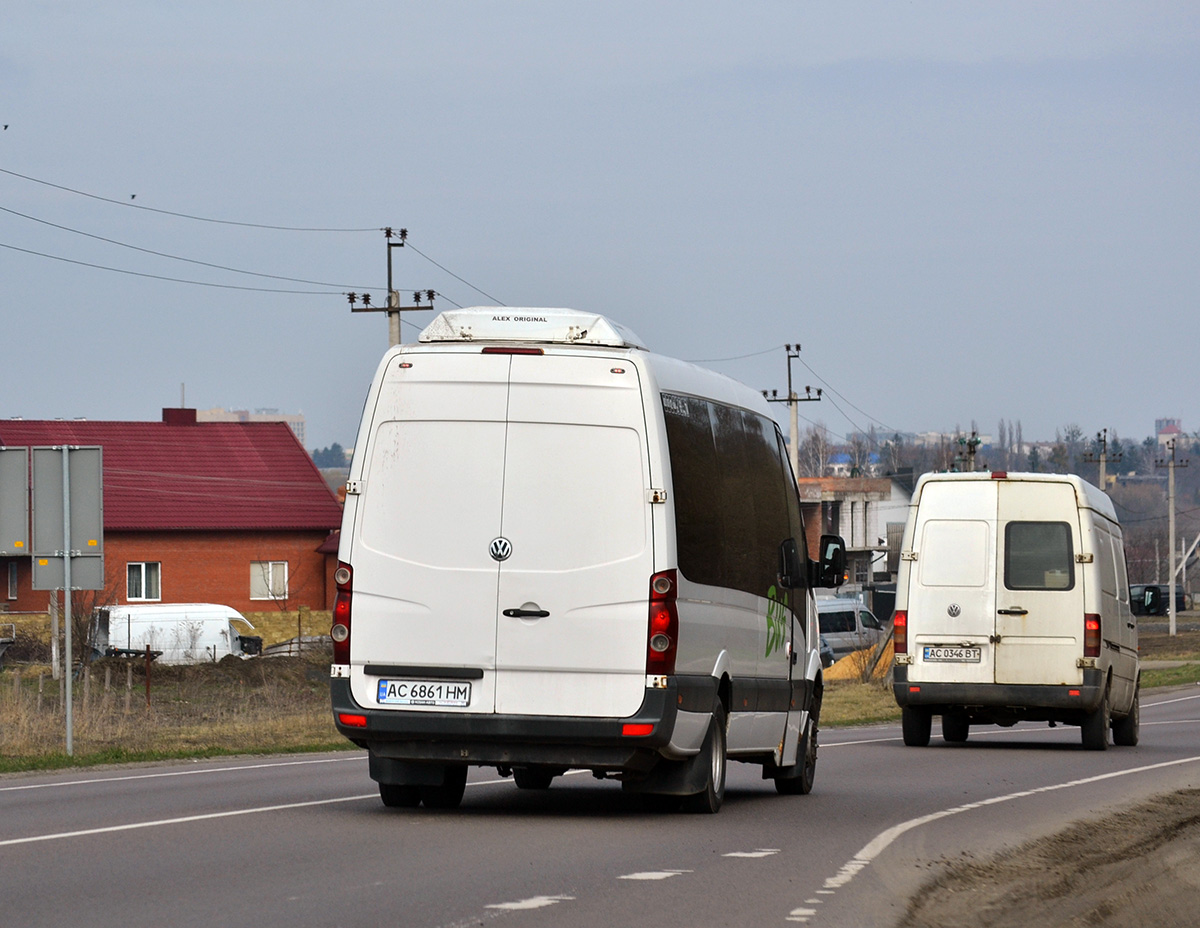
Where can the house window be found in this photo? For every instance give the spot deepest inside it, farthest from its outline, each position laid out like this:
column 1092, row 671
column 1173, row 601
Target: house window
column 12, row 579
column 268, row 580
column 142, row 581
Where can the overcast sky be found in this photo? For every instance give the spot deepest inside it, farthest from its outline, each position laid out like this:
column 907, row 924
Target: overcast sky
column 961, row 211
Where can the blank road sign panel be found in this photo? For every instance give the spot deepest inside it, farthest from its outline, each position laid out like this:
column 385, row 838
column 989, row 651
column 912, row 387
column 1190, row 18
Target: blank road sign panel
column 14, row 501
column 87, row 519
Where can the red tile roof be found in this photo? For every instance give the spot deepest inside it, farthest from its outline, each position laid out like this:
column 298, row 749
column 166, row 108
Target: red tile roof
column 189, row 475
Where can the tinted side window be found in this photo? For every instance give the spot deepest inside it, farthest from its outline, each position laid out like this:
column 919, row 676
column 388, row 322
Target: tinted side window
column 1038, row 556
column 731, row 506
column 696, row 482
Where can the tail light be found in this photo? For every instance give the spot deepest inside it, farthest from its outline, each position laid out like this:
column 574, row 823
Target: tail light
column 900, row 631
column 340, row 632
column 1091, row 635
column 662, row 639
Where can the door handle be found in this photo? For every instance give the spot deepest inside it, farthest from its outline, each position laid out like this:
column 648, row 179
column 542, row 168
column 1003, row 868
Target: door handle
column 1015, row 611
column 526, row 613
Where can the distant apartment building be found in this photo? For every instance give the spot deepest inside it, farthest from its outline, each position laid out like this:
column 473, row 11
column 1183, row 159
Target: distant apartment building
column 295, row 421
column 1166, row 430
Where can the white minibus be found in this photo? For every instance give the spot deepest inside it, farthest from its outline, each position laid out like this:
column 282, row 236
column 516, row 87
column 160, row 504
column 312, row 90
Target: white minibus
column 561, row 551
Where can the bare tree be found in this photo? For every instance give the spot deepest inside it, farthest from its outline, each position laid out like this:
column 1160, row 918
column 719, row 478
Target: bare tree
column 815, row 450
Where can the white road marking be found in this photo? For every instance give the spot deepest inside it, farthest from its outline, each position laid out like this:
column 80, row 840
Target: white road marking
column 537, row 902
column 653, row 875
column 801, row 915
column 1167, row 702
column 183, row 819
column 761, row 852
column 884, row 839
column 183, row 773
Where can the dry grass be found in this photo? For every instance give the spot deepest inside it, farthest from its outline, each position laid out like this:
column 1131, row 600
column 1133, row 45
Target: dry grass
column 235, row 706
column 849, row 702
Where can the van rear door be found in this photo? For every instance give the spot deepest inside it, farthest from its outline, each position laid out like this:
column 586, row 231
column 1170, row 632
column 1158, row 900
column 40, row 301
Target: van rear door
column 952, row 601
column 1040, row 602
column 572, row 605
column 425, row 592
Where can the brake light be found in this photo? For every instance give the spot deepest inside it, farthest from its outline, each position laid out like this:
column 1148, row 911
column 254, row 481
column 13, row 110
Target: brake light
column 636, row 730
column 340, row 631
column 352, row 720
column 497, row 349
column 1091, row 635
column 900, row 631
column 999, row 475
column 662, row 638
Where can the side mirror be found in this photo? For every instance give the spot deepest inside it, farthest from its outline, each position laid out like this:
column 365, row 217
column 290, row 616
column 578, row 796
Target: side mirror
column 791, row 573
column 831, row 568
column 1152, row 601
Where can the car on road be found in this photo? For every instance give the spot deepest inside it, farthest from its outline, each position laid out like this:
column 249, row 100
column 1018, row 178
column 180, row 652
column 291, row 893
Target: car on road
column 847, row 625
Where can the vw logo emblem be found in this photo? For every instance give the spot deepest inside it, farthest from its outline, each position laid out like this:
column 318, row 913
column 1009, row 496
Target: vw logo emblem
column 500, row 548
column 953, row 610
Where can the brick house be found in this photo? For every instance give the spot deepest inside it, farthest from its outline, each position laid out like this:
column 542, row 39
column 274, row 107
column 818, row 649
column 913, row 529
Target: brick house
column 224, row 512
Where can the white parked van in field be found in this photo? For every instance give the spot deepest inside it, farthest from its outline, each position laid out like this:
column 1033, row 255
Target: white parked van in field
column 184, row 633
column 562, row 551
column 1013, row 604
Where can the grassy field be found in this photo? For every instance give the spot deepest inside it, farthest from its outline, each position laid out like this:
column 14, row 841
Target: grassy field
column 281, row 704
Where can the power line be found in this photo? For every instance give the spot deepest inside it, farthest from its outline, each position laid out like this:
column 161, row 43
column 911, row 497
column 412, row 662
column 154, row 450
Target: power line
column 167, row 212
column 455, row 276
column 163, row 254
column 848, row 402
column 740, row 357
column 176, row 280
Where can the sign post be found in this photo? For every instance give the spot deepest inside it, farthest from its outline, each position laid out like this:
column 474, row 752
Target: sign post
column 68, row 533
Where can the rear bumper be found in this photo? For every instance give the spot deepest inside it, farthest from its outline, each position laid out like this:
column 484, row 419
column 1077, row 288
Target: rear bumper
column 492, row 739
column 1063, row 703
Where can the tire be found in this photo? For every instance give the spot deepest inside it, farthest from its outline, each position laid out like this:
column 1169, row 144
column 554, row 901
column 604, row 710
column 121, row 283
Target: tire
column 449, row 794
column 1097, row 726
column 708, row 800
column 1125, row 731
column 956, row 726
column 798, row 780
column 533, row 777
column 917, row 725
column 395, row 796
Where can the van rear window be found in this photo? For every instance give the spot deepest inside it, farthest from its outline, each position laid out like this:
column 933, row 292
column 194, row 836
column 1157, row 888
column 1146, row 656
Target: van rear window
column 1038, row 556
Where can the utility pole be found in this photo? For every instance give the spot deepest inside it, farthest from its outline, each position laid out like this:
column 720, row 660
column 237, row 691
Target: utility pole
column 1103, row 458
column 393, row 307
column 967, row 447
column 1171, row 464
column 793, row 400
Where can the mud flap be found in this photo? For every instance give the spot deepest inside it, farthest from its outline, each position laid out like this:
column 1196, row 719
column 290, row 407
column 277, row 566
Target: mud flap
column 402, row 773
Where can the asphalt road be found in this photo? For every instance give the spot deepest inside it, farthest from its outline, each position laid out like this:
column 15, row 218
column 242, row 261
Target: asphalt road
column 304, row 841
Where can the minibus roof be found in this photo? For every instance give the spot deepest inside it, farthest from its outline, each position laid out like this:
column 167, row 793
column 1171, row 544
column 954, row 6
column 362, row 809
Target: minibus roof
column 521, row 324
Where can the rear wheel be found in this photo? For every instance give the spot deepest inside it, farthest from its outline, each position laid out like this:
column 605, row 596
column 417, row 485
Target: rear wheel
column 800, row 777
column 709, row 799
column 395, row 796
column 1096, row 726
column 1125, row 731
column 917, row 724
column 956, row 726
column 449, row 794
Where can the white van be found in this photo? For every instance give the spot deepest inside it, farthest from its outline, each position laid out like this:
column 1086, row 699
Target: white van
column 182, row 633
column 562, row 551
column 847, row 625
column 1013, row 604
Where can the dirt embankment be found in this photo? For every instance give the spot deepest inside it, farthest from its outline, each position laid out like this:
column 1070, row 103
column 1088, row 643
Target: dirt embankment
column 1139, row 868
